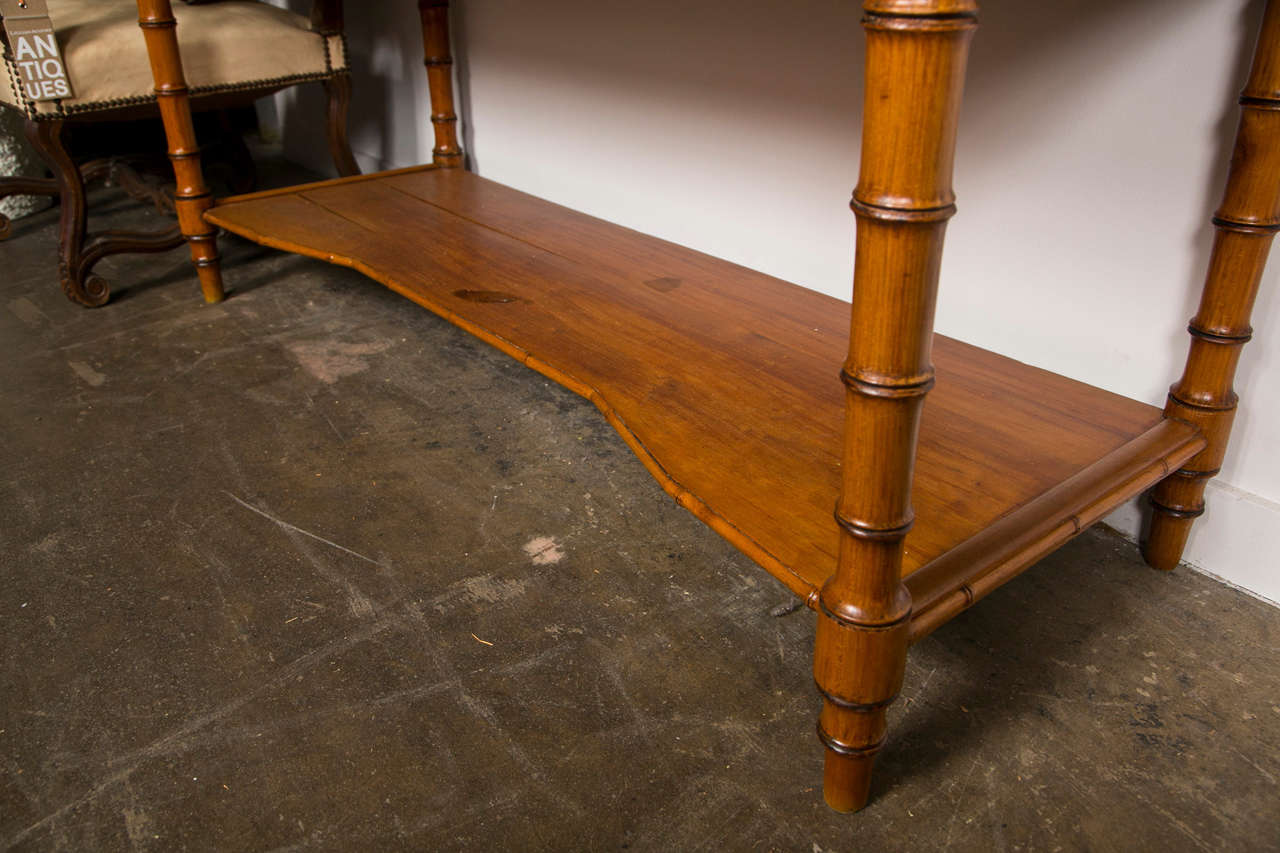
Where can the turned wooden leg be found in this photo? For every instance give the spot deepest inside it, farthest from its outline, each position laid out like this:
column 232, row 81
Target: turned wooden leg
column 439, row 61
column 916, row 54
column 192, row 197
column 1246, row 222
column 338, row 90
column 78, row 282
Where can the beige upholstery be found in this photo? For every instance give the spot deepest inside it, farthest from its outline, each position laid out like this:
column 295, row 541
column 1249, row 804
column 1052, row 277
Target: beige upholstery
column 226, row 46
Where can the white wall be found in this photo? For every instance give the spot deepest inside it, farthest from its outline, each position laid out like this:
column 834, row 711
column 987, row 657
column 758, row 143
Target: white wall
column 1092, row 150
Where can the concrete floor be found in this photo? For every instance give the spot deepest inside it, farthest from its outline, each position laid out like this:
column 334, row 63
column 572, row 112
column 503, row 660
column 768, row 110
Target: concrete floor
column 311, row 569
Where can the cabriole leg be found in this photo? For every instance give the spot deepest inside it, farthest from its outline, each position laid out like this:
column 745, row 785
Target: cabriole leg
column 338, row 92
column 77, row 282
column 192, row 196
column 1246, row 222
column 439, row 61
column 916, row 55
column 328, row 19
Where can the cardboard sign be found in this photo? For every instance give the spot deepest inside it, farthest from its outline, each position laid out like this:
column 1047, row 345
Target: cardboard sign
column 33, row 51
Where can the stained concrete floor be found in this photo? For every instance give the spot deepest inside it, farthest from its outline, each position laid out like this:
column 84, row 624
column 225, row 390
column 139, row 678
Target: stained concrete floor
column 311, row 569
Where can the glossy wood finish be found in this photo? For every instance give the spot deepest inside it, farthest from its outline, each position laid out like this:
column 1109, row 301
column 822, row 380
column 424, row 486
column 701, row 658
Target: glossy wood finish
column 438, row 57
column 192, row 196
column 1246, row 224
column 720, row 378
column 663, row 339
column 915, row 63
column 959, row 578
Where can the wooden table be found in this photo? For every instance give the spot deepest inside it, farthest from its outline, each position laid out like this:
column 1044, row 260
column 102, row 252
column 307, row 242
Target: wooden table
column 727, row 383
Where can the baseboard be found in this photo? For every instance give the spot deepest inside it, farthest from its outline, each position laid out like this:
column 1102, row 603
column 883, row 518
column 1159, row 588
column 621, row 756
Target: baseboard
column 1236, row 541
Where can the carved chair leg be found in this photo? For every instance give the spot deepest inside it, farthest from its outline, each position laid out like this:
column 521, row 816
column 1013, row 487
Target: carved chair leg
column 916, row 55
column 96, row 170
column 338, row 91
column 26, row 185
column 19, row 185
column 116, row 170
column 78, row 282
column 192, row 197
column 1246, row 222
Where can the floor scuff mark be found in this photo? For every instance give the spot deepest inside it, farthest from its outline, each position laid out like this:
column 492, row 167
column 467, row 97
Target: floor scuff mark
column 329, row 361
column 87, row 373
column 543, row 551
column 286, row 525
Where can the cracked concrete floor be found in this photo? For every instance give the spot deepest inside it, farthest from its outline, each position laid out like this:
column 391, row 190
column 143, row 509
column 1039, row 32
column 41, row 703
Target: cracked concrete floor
column 311, row 569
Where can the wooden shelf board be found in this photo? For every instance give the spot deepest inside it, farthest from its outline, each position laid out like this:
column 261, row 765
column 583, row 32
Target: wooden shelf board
column 724, row 381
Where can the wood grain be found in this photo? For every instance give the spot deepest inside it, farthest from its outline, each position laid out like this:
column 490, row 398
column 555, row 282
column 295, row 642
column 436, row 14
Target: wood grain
column 1246, row 224
column 438, row 58
column 192, row 196
column 915, row 69
column 723, row 380
column 726, row 385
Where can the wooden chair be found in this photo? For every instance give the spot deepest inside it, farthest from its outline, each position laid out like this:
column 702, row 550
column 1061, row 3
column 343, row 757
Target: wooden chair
column 724, row 381
column 235, row 51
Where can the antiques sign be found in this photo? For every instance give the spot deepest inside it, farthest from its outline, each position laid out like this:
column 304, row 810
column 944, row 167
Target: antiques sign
column 33, row 51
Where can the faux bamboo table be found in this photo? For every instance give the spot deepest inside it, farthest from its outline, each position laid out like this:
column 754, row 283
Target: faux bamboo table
column 727, row 383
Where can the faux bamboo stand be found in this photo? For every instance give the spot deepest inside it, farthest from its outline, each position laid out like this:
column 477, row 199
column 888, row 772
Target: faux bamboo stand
column 1004, row 464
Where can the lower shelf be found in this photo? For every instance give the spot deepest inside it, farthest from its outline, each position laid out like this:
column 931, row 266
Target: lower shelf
column 724, row 381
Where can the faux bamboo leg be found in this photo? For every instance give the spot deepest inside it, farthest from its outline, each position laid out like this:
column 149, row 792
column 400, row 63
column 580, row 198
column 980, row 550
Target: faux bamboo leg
column 192, row 197
column 916, row 55
column 439, row 61
column 1246, row 222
